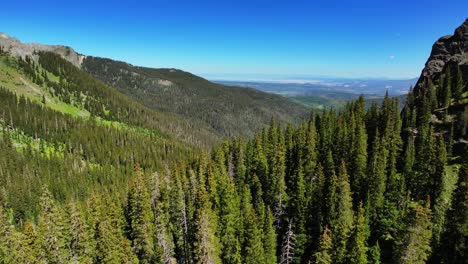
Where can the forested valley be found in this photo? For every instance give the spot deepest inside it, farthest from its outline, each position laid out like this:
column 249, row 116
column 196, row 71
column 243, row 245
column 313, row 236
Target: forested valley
column 348, row 185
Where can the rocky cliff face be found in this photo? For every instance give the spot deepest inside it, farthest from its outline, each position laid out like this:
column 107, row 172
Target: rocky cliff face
column 449, row 58
column 452, row 49
column 17, row 48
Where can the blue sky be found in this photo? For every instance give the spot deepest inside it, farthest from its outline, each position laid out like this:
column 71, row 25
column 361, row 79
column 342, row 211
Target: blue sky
column 292, row 38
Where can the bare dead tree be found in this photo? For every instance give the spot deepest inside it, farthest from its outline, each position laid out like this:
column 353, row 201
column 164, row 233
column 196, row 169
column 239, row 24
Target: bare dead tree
column 289, row 243
column 279, row 211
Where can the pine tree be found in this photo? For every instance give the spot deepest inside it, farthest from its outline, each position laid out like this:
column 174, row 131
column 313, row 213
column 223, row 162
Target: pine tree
column 81, row 246
column 160, row 208
column 278, row 168
column 297, row 209
column 454, row 239
column 179, row 216
column 459, row 85
column 30, row 237
column 330, row 193
column 13, row 244
column 51, row 234
column 377, row 175
column 439, row 161
column 206, row 243
column 359, row 163
column 416, row 245
column 447, row 88
column 432, row 95
column 323, row 254
column 342, row 222
column 141, row 219
column 252, row 246
column 229, row 214
column 269, row 238
column 358, row 248
column 374, row 254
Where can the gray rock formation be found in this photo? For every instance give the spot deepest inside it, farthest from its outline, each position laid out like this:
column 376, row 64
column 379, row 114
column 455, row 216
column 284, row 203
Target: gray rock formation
column 448, row 49
column 17, row 48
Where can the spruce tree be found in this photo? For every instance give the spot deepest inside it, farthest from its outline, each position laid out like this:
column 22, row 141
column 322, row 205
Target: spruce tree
column 359, row 163
column 458, row 85
column 81, row 245
column 13, row 244
column 252, row 246
column 141, row 219
column 206, row 248
column 342, row 221
column 269, row 238
column 416, row 245
column 454, row 240
column 324, row 254
column 51, row 238
column 229, row 214
column 161, row 215
column 358, row 247
column 374, row 254
column 447, row 88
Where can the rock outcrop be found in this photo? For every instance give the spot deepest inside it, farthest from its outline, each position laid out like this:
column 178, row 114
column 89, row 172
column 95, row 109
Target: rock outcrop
column 449, row 55
column 17, row 48
column 448, row 49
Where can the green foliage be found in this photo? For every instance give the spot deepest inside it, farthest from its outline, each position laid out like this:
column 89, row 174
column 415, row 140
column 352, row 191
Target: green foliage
column 52, row 237
column 213, row 109
column 454, row 242
column 140, row 219
column 323, row 191
column 358, row 247
column 323, row 254
column 416, row 245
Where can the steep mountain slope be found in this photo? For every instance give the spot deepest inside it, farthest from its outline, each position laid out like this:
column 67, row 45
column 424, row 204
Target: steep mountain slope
column 62, row 128
column 441, row 93
column 55, row 69
column 228, row 110
column 219, row 110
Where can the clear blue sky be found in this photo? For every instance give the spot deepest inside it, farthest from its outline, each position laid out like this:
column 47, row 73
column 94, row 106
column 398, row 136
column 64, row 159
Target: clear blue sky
column 377, row 38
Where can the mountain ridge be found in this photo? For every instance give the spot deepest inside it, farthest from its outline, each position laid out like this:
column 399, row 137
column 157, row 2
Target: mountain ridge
column 197, row 100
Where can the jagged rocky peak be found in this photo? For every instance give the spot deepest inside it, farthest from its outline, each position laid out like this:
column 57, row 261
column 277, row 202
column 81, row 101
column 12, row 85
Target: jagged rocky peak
column 17, row 48
column 448, row 49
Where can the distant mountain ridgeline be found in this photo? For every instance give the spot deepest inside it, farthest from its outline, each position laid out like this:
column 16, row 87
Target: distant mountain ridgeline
column 229, row 111
column 323, row 94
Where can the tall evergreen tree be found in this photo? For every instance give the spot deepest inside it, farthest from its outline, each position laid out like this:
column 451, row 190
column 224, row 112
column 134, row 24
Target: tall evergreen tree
column 141, row 219
column 81, row 245
column 458, row 85
column 446, row 87
column 323, row 254
column 229, row 214
column 252, row 248
column 269, row 238
column 342, row 221
column 359, row 162
column 374, row 254
column 358, row 247
column 52, row 241
column 454, row 239
column 416, row 244
column 206, row 248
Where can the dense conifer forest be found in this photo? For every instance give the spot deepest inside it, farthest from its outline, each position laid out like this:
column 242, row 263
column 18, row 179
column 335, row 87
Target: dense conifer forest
column 349, row 185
